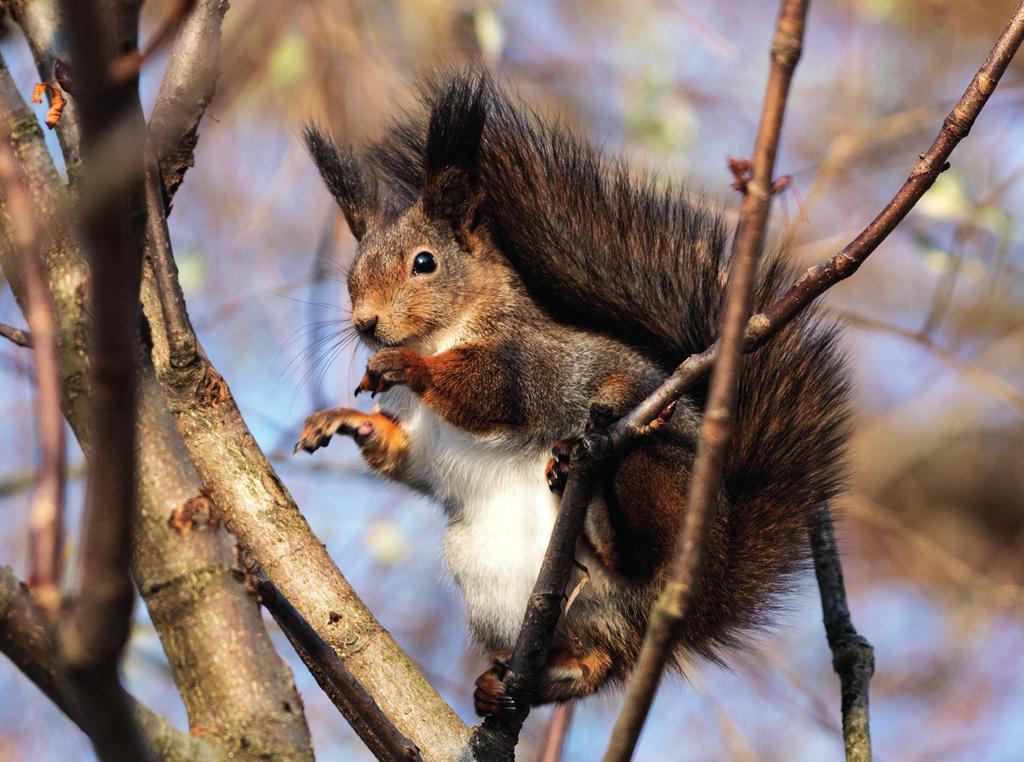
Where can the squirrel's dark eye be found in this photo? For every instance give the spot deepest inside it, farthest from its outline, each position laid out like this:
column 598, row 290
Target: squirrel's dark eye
column 424, row 263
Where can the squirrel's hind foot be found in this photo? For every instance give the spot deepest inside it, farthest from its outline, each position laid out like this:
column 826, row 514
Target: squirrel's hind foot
column 557, row 469
column 490, row 697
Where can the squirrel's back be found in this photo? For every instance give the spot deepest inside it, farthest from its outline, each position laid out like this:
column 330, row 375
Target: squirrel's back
column 604, row 247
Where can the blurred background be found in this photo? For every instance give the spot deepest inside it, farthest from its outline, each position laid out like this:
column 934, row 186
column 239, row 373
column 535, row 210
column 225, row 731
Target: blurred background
column 933, row 527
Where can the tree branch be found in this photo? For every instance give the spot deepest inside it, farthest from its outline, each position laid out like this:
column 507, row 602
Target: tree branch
column 187, row 89
column 262, row 515
column 97, row 626
column 251, row 497
column 26, row 641
column 496, row 737
column 42, row 23
column 853, row 658
column 670, row 610
column 131, row 64
column 46, row 518
column 16, row 335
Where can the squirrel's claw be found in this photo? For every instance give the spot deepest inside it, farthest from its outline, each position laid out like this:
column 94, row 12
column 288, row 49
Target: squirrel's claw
column 490, row 696
column 557, row 470
column 324, row 424
column 386, row 369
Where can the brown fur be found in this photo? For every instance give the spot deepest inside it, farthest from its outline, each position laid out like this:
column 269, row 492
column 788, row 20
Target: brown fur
column 562, row 282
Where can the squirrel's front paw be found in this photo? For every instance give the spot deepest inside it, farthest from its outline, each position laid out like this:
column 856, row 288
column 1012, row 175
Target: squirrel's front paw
column 490, row 697
column 324, row 424
column 393, row 367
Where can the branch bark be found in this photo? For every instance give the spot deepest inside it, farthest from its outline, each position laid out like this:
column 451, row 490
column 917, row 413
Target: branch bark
column 187, row 89
column 264, row 518
column 26, row 641
column 358, row 707
column 853, row 658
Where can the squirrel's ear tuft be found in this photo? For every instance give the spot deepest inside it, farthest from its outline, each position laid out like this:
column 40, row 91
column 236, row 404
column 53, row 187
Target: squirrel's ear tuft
column 457, row 118
column 351, row 184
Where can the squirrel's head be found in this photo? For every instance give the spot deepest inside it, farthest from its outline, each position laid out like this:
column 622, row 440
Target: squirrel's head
column 416, row 271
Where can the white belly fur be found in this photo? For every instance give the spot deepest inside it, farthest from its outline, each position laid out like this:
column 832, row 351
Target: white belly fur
column 499, row 508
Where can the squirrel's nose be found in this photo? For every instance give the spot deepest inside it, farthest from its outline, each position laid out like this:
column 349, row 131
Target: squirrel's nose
column 365, row 324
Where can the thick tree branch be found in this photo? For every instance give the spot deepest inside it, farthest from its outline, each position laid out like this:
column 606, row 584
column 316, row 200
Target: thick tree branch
column 670, row 611
column 187, row 89
column 852, row 656
column 46, row 519
column 263, row 516
column 189, row 580
column 26, row 641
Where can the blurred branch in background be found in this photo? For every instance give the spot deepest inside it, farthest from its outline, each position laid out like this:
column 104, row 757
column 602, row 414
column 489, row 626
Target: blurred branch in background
column 46, row 519
column 983, row 379
column 95, row 630
column 557, row 730
column 16, row 336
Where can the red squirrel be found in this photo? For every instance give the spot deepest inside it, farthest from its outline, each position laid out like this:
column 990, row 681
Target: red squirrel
column 510, row 279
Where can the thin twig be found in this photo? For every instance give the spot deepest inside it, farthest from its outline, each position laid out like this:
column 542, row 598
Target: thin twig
column 130, row 64
column 669, row 612
column 97, row 627
column 352, row 700
column 852, row 656
column 46, row 517
column 16, row 335
column 496, row 737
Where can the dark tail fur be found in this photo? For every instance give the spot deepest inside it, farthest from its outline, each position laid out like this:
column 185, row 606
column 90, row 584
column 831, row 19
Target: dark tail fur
column 602, row 246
